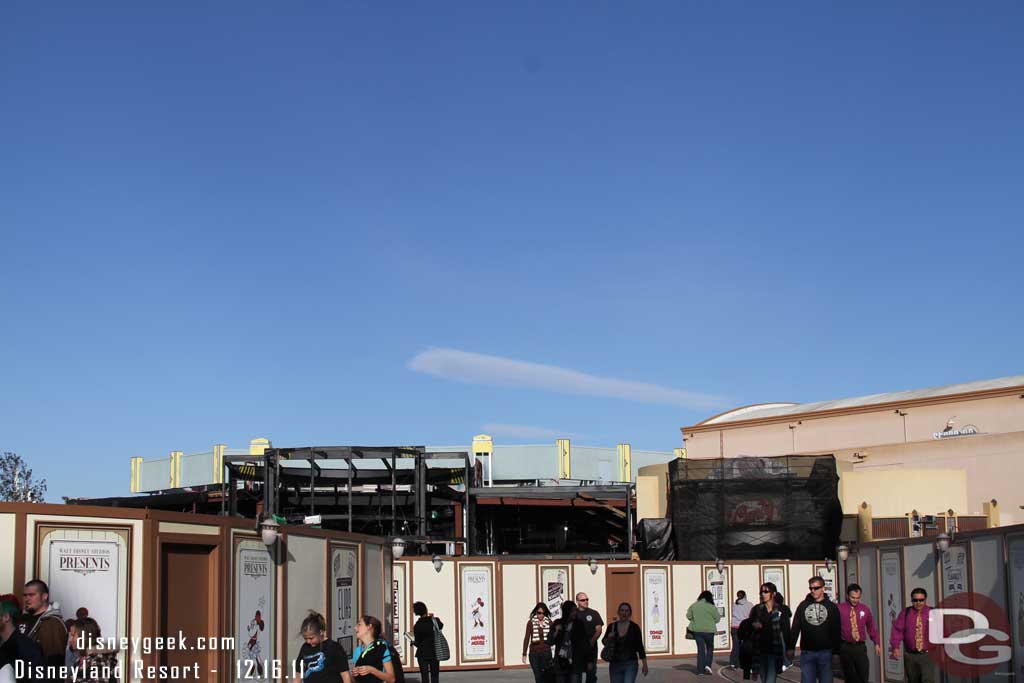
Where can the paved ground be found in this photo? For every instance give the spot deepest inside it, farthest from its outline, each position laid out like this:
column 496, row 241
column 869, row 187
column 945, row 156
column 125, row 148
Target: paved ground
column 662, row 671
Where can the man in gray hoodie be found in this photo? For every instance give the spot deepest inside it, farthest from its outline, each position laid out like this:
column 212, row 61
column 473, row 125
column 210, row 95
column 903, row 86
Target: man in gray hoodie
column 740, row 611
column 44, row 623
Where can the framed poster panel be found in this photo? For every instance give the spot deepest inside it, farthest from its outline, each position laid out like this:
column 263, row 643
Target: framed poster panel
column 829, row 577
column 476, row 612
column 88, row 567
column 657, row 605
column 255, row 582
column 955, row 571
column 775, row 573
column 1015, row 568
column 892, row 603
column 401, row 610
column 344, row 594
column 554, row 586
column 851, row 570
column 718, row 583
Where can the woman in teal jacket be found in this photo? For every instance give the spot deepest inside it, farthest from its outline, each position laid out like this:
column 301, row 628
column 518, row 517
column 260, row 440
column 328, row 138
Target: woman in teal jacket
column 703, row 617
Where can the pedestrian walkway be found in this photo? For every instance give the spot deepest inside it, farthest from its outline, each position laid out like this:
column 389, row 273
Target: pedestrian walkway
column 682, row 670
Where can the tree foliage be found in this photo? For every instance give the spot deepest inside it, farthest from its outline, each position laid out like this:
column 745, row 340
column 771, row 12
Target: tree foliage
column 16, row 482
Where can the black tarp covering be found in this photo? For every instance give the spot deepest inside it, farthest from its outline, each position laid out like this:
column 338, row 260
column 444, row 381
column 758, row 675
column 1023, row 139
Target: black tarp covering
column 755, row 508
column 654, row 539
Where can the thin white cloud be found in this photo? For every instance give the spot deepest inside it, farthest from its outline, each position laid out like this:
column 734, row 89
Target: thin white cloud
column 515, row 431
column 477, row 368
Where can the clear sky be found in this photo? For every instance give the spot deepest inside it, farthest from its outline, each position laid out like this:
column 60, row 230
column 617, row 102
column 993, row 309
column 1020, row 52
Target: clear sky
column 378, row 222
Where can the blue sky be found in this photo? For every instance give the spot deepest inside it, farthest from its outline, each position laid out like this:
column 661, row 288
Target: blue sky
column 411, row 222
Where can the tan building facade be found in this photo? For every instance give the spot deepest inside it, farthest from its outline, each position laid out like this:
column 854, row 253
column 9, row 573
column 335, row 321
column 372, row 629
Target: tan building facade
column 955, row 447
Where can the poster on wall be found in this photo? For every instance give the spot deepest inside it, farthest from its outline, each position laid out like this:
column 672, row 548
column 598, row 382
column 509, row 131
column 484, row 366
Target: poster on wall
column 477, row 593
column 398, row 616
column 254, row 610
column 344, row 586
column 554, row 588
column 777, row 575
column 656, row 610
column 851, row 570
column 892, row 604
column 1016, row 566
column 717, row 583
column 954, row 570
column 87, row 574
column 829, row 577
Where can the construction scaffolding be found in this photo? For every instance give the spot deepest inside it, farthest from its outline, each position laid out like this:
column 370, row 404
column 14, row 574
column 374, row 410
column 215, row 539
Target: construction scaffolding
column 784, row 507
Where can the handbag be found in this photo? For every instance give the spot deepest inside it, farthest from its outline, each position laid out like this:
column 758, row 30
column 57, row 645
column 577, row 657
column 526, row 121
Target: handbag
column 608, row 651
column 689, row 634
column 441, row 649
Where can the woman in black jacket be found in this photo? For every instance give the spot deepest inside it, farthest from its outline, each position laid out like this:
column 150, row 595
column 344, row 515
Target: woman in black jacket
column 627, row 645
column 573, row 651
column 770, row 623
column 423, row 639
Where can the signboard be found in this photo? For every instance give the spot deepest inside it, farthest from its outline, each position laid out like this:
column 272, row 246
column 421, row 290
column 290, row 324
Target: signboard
column 344, row 595
column 892, row 604
column 753, row 510
column 1015, row 546
column 775, row 574
column 554, row 588
column 399, row 616
column 718, row 583
column 477, row 597
column 254, row 610
column 656, row 610
column 87, row 573
column 954, row 571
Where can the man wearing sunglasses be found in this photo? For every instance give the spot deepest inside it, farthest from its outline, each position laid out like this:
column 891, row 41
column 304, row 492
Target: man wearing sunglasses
column 910, row 629
column 816, row 623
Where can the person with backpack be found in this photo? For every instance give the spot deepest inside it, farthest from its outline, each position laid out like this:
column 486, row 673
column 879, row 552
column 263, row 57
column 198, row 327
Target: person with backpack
column 426, row 644
column 372, row 657
column 569, row 637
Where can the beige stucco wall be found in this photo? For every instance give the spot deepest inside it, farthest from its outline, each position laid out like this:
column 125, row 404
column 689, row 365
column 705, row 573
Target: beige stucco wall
column 437, row 591
column 651, row 491
column 893, row 493
column 307, row 562
column 519, row 590
column 593, row 585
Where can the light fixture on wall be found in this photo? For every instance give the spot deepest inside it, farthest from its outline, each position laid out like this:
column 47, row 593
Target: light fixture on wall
column 720, row 564
column 843, row 552
column 398, row 548
column 437, row 562
column 270, row 531
column 828, row 564
column 593, row 565
column 942, row 542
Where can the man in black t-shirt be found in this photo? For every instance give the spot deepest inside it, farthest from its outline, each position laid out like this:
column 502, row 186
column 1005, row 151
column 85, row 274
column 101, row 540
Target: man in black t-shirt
column 592, row 623
column 323, row 662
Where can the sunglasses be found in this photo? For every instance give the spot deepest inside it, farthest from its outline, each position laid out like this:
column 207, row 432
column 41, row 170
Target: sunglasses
column 918, row 599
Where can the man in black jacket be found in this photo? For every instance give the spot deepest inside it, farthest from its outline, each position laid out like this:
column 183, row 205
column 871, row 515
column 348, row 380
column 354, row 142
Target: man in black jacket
column 816, row 624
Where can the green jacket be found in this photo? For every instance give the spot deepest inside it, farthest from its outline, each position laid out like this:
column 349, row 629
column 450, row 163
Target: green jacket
column 703, row 616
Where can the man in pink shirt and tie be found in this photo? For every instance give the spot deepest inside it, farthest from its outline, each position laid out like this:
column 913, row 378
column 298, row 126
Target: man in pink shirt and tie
column 858, row 624
column 910, row 629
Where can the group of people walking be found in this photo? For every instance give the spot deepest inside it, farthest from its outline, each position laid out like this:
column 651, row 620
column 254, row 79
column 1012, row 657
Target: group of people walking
column 766, row 635
column 565, row 649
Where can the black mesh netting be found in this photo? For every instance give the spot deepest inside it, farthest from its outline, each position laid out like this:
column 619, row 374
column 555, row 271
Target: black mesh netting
column 755, row 508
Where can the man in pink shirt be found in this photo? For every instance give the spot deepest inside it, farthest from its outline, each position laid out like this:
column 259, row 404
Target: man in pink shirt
column 858, row 624
column 910, row 629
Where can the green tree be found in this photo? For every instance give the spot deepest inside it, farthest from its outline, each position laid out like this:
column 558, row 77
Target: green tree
column 16, row 483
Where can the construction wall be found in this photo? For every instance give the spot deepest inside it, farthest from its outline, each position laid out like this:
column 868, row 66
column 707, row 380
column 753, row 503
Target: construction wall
column 143, row 573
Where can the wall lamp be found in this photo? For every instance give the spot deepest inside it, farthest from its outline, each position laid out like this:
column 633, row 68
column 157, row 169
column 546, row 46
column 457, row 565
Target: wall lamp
column 720, row 564
column 843, row 552
column 270, row 531
column 829, row 564
column 593, row 565
column 437, row 562
column 398, row 548
column 942, row 542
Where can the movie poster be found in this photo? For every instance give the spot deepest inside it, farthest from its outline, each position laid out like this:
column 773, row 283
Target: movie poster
column 829, row 577
column 254, row 609
column 892, row 604
column 344, row 601
column 656, row 610
column 1016, row 600
column 88, row 574
column 554, row 588
column 400, row 611
column 477, row 613
column 718, row 583
column 954, row 570
column 776, row 575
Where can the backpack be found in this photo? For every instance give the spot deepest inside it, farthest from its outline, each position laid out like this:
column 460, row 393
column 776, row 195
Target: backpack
column 441, row 648
column 396, row 663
